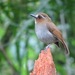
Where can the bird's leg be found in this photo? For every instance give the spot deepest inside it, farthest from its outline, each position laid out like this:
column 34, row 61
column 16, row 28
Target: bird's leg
column 48, row 46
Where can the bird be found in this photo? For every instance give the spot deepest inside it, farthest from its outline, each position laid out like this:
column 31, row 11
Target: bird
column 47, row 31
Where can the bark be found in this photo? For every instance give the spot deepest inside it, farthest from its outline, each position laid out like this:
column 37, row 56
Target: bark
column 44, row 65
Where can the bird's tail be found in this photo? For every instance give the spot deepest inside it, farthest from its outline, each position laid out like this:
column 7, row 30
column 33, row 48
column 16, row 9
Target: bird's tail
column 66, row 47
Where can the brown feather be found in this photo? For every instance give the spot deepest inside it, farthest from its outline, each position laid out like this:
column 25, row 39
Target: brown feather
column 53, row 29
column 44, row 19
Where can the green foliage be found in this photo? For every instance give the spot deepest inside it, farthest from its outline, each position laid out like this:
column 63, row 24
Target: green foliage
column 19, row 46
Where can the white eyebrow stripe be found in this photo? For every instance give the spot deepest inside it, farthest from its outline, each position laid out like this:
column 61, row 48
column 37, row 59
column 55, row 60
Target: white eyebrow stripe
column 40, row 15
column 43, row 16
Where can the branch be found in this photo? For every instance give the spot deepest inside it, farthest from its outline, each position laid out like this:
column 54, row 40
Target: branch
column 44, row 65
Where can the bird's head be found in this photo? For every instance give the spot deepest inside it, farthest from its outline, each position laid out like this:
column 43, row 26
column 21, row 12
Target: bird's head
column 41, row 18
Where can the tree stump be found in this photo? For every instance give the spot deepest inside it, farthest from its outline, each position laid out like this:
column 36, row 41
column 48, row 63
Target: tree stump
column 44, row 65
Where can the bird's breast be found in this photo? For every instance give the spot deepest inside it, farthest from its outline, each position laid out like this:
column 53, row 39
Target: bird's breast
column 44, row 34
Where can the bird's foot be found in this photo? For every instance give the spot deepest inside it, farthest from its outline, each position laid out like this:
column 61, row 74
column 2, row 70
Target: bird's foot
column 48, row 46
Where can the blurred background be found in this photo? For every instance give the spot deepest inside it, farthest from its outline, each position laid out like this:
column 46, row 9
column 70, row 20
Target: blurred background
column 19, row 46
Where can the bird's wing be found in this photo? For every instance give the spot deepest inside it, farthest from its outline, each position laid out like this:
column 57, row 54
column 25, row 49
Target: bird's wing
column 55, row 31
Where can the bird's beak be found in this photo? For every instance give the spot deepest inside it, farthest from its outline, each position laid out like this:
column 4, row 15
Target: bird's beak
column 33, row 15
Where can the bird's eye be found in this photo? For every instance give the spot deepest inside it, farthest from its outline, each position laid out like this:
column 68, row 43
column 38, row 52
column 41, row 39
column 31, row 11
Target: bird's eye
column 39, row 16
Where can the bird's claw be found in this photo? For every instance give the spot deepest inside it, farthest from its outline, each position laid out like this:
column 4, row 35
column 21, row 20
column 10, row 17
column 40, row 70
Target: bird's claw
column 48, row 46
